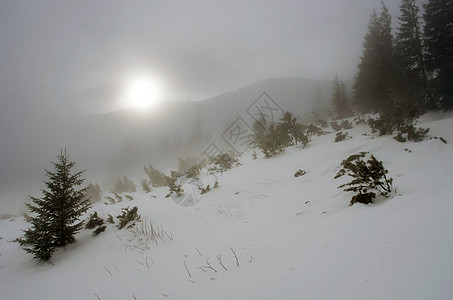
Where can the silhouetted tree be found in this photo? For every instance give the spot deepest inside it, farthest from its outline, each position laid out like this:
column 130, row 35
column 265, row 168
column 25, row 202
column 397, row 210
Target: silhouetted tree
column 156, row 177
column 123, row 185
column 93, row 192
column 438, row 30
column 340, row 102
column 373, row 83
column 288, row 126
column 411, row 79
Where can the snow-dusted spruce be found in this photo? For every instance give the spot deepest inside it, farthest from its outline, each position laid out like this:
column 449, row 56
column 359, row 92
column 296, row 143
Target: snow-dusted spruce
column 95, row 221
column 174, row 185
column 128, row 217
column 57, row 213
column 369, row 177
column 340, row 136
column 224, row 162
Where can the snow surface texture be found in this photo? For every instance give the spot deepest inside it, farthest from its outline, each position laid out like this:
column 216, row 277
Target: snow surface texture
column 295, row 238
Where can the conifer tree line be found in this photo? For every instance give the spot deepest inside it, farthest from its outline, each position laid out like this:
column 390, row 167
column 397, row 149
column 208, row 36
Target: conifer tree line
column 411, row 68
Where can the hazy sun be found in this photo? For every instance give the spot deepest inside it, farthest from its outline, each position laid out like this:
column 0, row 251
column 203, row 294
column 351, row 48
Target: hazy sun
column 142, row 92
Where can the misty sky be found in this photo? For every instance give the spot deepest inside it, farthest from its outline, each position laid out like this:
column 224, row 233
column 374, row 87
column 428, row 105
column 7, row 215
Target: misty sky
column 72, row 57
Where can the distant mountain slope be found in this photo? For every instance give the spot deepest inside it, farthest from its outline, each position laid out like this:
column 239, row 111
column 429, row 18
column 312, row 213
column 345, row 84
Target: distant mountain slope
column 294, row 238
column 107, row 133
column 100, row 142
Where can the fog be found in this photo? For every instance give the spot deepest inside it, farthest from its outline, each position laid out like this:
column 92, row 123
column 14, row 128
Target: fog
column 64, row 66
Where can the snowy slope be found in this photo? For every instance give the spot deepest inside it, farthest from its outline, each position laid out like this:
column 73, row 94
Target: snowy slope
column 296, row 238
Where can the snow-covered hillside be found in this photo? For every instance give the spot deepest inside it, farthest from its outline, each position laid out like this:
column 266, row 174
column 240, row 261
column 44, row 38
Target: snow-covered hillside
column 295, row 238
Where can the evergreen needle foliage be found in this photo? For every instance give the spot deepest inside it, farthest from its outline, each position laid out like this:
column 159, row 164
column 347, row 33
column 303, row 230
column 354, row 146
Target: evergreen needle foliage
column 156, row 177
column 145, row 186
column 175, row 187
column 300, row 172
column 438, row 29
column 110, row 219
column 57, row 213
column 401, row 120
column 275, row 137
column 94, row 192
column 128, row 216
column 224, row 162
column 95, row 221
column 190, row 166
column 340, row 136
column 369, row 177
column 373, row 83
column 204, row 190
column 123, row 186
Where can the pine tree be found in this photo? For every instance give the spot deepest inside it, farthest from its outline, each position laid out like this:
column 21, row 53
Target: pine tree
column 369, row 177
column 93, row 192
column 411, row 79
column 386, row 69
column 438, row 30
column 294, row 131
column 365, row 81
column 57, row 212
column 260, row 127
column 340, row 102
column 373, row 83
column 156, row 177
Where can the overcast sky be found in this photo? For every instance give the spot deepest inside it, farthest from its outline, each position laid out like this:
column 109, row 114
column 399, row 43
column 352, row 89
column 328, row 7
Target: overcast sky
column 72, row 56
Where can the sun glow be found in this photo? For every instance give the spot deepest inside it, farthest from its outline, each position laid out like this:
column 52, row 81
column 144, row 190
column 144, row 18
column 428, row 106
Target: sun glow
column 142, row 92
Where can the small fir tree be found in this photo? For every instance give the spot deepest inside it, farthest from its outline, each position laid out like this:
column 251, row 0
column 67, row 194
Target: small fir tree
column 57, row 213
column 128, row 217
column 289, row 127
column 94, row 221
column 93, row 192
column 145, row 186
column 156, row 177
column 369, row 177
column 175, row 187
column 312, row 130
